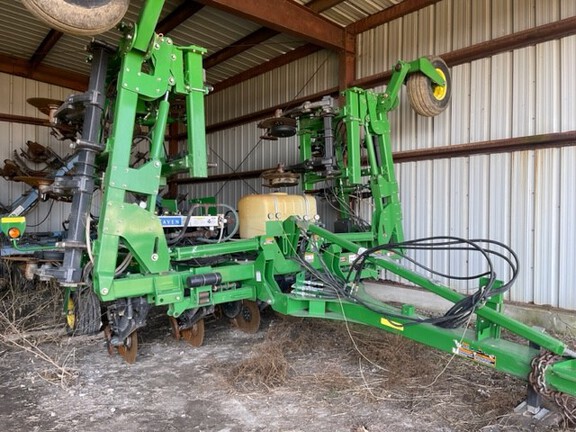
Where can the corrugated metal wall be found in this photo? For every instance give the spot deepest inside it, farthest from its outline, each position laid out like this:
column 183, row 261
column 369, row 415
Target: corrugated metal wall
column 524, row 198
column 13, row 94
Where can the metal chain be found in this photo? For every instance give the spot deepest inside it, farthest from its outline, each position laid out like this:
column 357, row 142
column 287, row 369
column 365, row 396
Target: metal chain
column 536, row 378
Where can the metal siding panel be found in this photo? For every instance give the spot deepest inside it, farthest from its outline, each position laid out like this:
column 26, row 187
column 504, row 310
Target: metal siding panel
column 423, row 205
column 566, row 273
column 524, row 14
column 440, row 211
column 524, row 92
column 462, row 23
column 547, row 11
column 567, row 8
column 498, row 207
column 479, row 201
column 522, row 212
column 481, row 27
column 443, row 27
column 501, row 17
column 501, row 96
column 460, row 104
column 567, row 83
column 480, row 100
column 459, row 208
column 548, row 87
column 546, row 226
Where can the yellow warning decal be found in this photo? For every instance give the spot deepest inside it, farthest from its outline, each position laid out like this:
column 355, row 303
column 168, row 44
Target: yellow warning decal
column 465, row 350
column 392, row 324
column 13, row 219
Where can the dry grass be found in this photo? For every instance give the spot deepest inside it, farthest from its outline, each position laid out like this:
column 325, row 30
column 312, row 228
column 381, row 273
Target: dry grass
column 336, row 360
column 30, row 316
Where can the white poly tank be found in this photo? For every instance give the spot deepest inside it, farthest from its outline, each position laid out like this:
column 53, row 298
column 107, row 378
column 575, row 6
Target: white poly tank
column 255, row 210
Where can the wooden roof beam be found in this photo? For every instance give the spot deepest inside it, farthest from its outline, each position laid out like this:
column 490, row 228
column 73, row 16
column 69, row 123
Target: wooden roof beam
column 44, row 48
column 241, row 45
column 389, row 14
column 322, row 5
column 286, row 16
column 184, row 11
column 47, row 74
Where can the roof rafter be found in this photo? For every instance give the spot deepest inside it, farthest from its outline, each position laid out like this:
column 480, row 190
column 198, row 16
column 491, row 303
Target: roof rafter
column 322, row 5
column 241, row 45
column 44, row 48
column 184, row 11
column 399, row 10
column 259, row 36
column 48, row 74
column 287, row 17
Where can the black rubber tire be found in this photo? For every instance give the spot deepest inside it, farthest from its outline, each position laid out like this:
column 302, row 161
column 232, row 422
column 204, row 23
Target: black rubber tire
column 421, row 91
column 86, row 17
column 86, row 311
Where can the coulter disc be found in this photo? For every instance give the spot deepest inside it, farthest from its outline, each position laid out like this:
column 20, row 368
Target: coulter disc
column 129, row 349
column 174, row 328
column 248, row 320
column 195, row 334
column 108, row 337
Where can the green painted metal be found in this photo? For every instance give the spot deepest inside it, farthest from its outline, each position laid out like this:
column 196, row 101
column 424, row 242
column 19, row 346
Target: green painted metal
column 15, row 223
column 151, row 72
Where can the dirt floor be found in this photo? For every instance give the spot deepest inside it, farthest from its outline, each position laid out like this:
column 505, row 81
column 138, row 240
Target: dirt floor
column 293, row 375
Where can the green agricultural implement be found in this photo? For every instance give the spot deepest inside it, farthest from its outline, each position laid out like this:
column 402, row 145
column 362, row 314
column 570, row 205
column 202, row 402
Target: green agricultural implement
column 144, row 250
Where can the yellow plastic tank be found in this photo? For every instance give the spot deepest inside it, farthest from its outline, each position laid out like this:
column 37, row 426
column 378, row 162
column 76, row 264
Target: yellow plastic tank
column 255, row 210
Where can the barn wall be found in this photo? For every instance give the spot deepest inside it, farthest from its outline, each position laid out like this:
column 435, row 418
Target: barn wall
column 14, row 91
column 523, row 198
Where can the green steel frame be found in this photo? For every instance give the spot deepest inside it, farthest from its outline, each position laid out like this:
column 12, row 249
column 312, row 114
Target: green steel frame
column 151, row 71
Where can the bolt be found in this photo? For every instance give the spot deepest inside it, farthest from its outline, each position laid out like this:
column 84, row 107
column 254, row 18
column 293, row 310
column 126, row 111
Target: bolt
column 154, row 257
column 173, row 57
column 125, row 85
column 157, row 164
column 137, row 88
column 104, row 291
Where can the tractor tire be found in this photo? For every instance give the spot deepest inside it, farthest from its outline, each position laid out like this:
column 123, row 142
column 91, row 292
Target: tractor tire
column 79, row 17
column 83, row 313
column 427, row 98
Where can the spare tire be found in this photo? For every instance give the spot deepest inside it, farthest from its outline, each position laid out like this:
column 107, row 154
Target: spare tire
column 427, row 98
column 79, row 17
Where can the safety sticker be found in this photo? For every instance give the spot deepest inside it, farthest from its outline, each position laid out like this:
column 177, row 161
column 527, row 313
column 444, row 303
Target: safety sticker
column 392, row 324
column 465, row 350
column 309, row 257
